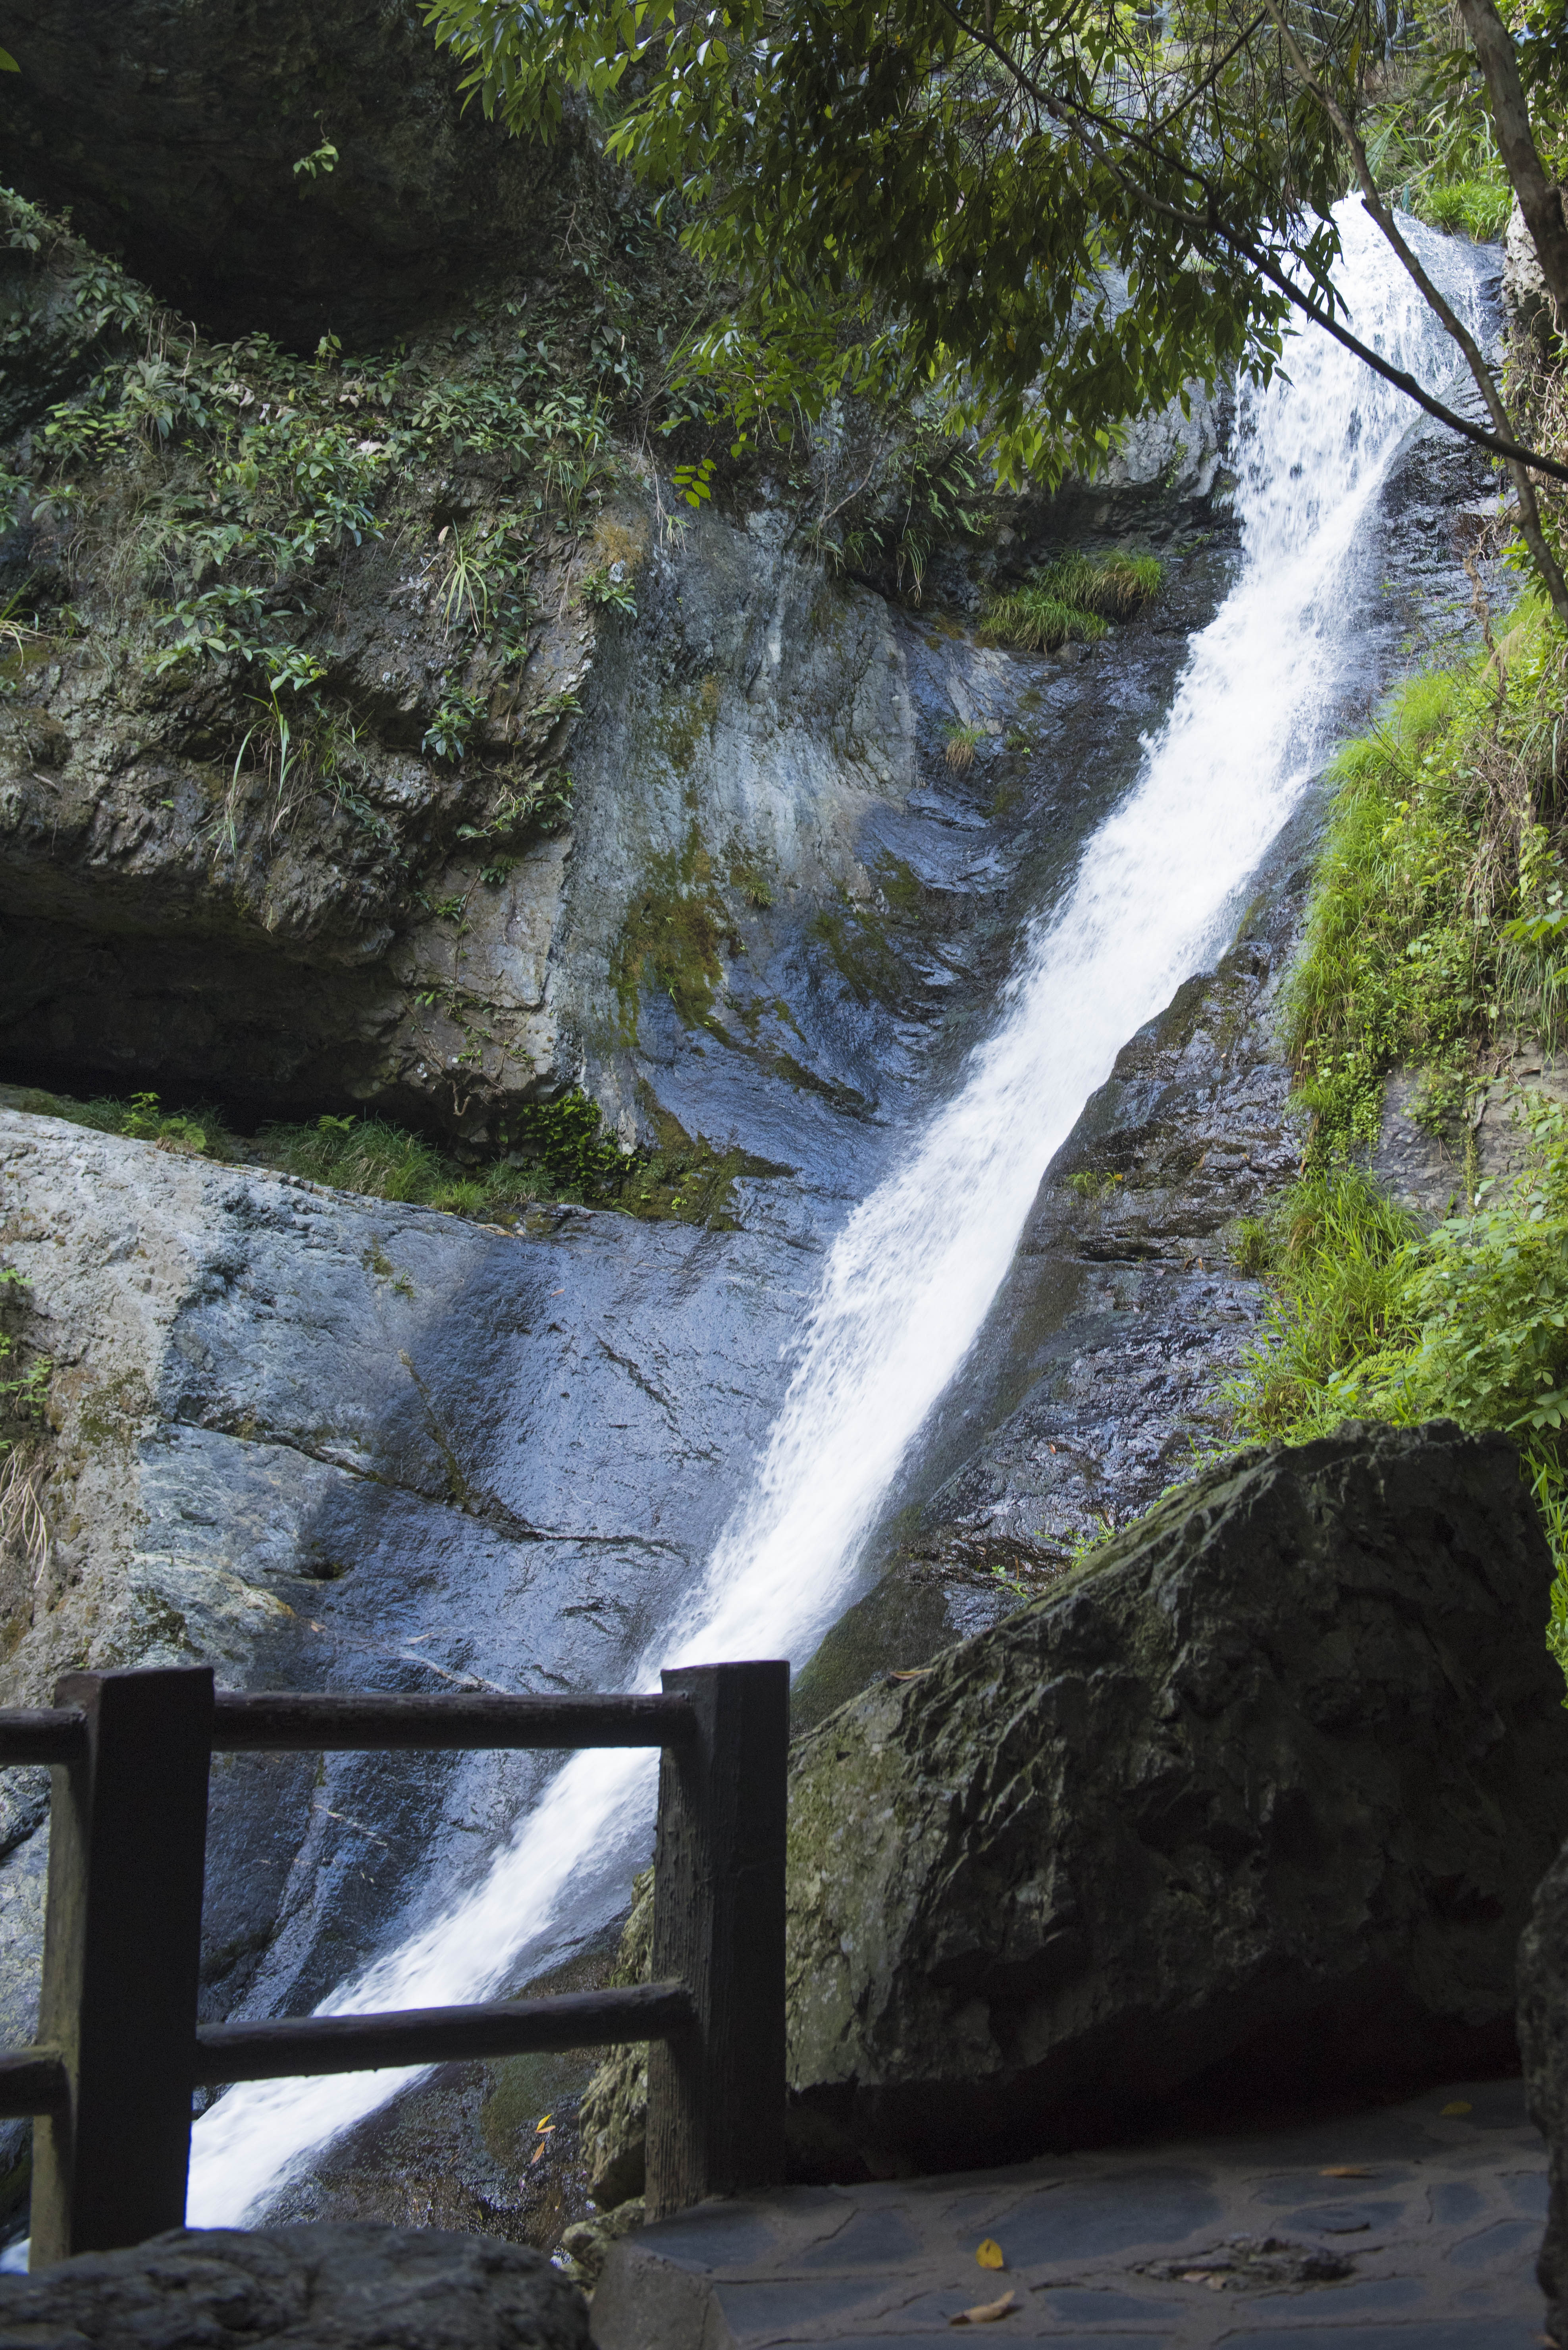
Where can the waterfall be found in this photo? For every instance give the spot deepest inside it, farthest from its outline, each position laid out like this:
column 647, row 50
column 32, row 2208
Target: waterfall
column 912, row 1274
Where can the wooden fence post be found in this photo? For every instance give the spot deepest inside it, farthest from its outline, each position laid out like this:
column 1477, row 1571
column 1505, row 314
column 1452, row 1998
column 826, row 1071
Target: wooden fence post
column 716, row 2094
column 127, row 1829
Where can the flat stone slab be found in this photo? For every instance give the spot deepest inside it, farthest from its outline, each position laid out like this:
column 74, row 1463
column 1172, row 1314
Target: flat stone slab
column 1406, row 2227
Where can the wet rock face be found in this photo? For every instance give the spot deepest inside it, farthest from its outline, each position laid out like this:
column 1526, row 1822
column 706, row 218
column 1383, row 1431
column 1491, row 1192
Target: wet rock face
column 1253, row 1807
column 321, row 1442
column 171, row 128
column 329, row 2288
column 1543, row 2044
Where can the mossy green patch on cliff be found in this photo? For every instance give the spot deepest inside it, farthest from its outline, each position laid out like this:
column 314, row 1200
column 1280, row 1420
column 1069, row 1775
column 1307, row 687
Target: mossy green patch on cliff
column 671, row 937
column 856, row 943
column 684, row 720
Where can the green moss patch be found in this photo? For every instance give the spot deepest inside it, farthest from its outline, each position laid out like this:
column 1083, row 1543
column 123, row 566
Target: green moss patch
column 670, row 939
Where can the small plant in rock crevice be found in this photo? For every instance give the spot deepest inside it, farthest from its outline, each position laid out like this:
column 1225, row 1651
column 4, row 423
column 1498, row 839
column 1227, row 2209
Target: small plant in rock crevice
column 961, row 742
column 24, row 1400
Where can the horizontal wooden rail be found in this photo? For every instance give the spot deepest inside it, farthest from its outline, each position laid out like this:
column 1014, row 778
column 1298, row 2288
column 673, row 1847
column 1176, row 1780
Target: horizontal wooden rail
column 272, row 2050
column 243, row 1723
column 33, row 1734
column 119, row 2049
column 33, row 2081
column 311, row 1723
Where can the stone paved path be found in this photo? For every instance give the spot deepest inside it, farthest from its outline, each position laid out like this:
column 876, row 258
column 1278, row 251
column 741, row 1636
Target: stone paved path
column 1401, row 2229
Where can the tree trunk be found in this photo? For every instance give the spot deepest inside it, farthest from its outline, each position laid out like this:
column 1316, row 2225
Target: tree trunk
column 1539, row 200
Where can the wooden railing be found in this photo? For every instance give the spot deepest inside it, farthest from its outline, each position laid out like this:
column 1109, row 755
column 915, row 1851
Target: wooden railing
column 120, row 2049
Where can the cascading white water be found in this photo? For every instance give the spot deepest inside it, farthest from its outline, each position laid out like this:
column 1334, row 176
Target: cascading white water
column 911, row 1276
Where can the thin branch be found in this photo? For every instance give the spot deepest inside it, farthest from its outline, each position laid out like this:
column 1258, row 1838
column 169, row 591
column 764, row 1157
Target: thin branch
column 1529, row 510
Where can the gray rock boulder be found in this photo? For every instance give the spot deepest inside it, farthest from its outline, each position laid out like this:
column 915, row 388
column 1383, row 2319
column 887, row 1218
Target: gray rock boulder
column 1543, row 2044
column 1524, row 286
column 330, row 2288
column 1253, row 1806
column 1250, row 1807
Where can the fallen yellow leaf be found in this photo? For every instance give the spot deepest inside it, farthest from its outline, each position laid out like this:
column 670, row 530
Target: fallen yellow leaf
column 986, row 2313
column 544, row 2122
column 1345, row 2170
column 1453, row 2112
column 990, row 2254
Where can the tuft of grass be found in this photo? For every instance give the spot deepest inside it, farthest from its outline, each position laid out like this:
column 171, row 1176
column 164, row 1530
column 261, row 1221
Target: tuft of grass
column 1073, row 600
column 1473, row 208
column 1433, row 926
column 962, row 743
column 1038, row 622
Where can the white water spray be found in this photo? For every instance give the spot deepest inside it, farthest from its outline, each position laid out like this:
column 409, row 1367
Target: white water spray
column 911, row 1276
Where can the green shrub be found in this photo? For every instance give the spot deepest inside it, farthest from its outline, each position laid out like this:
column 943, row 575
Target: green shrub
column 1418, row 949
column 202, row 1132
column 1373, row 1318
column 1038, row 622
column 1473, row 208
column 1072, row 600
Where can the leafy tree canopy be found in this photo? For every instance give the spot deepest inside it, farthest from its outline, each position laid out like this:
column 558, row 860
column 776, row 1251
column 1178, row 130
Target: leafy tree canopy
column 1061, row 209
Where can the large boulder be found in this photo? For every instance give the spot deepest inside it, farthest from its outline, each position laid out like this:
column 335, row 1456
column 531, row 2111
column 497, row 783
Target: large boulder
column 327, row 2288
column 172, row 128
column 1250, row 1807
column 1543, row 2044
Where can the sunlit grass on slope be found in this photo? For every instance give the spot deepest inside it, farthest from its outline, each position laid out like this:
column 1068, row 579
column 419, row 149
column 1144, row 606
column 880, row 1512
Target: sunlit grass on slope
column 1433, row 928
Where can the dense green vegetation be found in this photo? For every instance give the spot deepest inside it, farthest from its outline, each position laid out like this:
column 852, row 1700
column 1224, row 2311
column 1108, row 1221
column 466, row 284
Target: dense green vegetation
column 208, row 502
column 1435, row 939
column 1437, row 929
column 919, row 198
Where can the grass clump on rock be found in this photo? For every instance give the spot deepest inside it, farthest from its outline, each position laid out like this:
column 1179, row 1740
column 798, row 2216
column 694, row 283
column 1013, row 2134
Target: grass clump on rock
column 1373, row 1317
column 1073, row 600
column 545, row 1152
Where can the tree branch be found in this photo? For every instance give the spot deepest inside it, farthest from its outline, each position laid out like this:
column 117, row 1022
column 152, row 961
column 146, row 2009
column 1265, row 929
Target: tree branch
column 1205, row 232
column 1524, row 488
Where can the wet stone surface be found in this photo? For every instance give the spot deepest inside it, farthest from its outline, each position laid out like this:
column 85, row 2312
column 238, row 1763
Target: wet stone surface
column 1402, row 2228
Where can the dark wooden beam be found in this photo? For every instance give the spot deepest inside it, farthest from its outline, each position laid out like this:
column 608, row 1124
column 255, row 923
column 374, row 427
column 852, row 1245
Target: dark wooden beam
column 271, row 2051
column 128, row 1828
column 243, row 1722
column 33, row 2081
column 34, row 1734
column 716, row 2094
